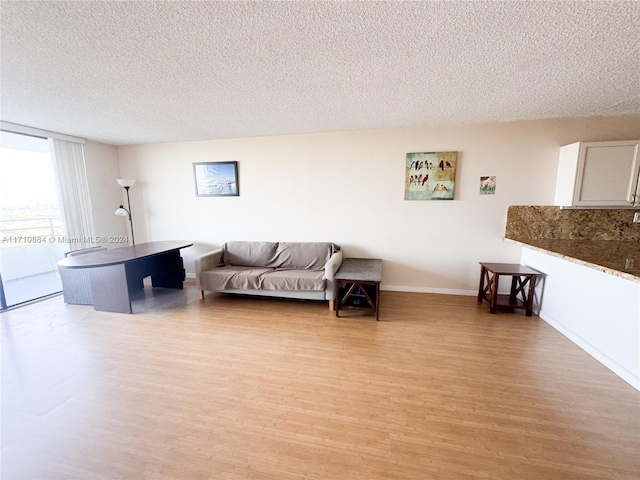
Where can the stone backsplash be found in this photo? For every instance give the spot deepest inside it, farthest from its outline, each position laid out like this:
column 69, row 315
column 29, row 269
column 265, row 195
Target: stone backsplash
column 554, row 223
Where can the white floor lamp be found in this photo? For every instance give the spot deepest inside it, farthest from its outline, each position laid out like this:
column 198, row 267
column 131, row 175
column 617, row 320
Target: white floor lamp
column 126, row 183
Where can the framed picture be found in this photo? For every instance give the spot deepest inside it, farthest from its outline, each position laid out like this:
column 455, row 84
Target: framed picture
column 430, row 175
column 488, row 185
column 216, row 179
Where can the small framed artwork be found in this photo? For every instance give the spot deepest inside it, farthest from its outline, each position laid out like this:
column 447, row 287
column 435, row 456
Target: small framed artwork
column 216, row 179
column 430, row 175
column 487, row 185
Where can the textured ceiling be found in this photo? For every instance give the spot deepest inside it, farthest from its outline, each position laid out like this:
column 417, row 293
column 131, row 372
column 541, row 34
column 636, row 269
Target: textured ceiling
column 141, row 72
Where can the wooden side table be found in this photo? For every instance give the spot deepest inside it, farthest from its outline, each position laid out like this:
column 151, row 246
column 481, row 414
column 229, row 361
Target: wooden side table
column 358, row 285
column 523, row 283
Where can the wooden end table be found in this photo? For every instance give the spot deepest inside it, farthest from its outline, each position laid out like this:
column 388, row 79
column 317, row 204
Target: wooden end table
column 358, row 285
column 523, row 283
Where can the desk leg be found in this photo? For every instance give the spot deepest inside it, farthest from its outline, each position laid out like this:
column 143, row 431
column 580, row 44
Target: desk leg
column 109, row 289
column 168, row 270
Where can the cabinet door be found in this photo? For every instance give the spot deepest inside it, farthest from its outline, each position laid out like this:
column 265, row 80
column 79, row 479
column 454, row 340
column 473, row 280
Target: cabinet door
column 607, row 174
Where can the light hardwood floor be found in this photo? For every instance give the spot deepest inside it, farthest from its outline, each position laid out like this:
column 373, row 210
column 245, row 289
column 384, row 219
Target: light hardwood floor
column 253, row 388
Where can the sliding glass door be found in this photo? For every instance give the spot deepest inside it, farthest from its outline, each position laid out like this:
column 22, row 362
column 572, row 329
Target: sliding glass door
column 31, row 225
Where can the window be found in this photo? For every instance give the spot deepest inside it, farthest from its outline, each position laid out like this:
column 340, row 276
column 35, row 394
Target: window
column 31, row 225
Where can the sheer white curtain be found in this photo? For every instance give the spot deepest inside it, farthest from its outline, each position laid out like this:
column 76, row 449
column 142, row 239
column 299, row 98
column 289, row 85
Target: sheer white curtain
column 68, row 158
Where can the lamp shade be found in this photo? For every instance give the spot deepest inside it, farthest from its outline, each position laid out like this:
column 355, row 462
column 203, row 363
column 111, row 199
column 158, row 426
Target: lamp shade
column 121, row 211
column 125, row 182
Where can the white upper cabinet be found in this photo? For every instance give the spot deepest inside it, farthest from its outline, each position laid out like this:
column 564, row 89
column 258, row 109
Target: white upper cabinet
column 598, row 174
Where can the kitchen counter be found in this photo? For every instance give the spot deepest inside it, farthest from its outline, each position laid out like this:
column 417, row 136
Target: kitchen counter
column 619, row 258
column 606, row 240
column 591, row 265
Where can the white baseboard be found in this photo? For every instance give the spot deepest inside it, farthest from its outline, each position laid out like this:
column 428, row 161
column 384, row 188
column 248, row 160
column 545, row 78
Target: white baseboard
column 607, row 361
column 443, row 291
column 400, row 288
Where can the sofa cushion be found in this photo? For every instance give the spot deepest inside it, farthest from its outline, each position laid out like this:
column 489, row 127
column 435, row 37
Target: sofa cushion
column 304, row 255
column 286, row 279
column 250, row 254
column 228, row 277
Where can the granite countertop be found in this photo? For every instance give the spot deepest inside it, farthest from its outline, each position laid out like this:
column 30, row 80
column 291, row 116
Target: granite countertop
column 619, row 258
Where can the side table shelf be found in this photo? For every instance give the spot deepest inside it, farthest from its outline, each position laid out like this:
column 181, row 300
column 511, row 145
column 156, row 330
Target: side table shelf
column 358, row 285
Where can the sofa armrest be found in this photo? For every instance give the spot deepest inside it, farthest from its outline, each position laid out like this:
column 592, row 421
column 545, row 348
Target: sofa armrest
column 330, row 269
column 206, row 261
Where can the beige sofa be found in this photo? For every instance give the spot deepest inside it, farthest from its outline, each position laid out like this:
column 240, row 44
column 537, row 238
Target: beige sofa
column 278, row 269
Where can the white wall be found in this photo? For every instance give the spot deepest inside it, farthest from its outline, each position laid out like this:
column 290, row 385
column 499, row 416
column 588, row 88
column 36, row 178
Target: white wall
column 103, row 168
column 597, row 311
column 348, row 188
